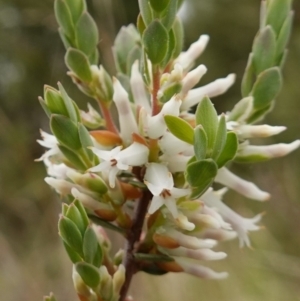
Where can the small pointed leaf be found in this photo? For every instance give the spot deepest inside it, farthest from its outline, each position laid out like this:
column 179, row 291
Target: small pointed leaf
column 200, row 142
column 78, row 62
column 91, row 248
column 180, row 128
column 72, row 157
column 229, row 150
column 220, row 138
column 89, row 274
column 248, row 77
column 64, row 18
column 68, row 103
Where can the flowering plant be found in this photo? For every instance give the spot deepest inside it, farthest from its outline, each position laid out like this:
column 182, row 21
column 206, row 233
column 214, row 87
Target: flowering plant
column 149, row 175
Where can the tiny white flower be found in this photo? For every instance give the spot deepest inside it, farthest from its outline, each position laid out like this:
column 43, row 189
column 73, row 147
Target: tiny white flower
column 156, row 125
column 49, row 141
column 58, row 171
column 115, row 160
column 246, row 188
column 213, row 89
column 239, row 224
column 160, row 182
column 187, row 59
column 191, row 267
column 268, row 151
column 127, row 121
column 138, row 88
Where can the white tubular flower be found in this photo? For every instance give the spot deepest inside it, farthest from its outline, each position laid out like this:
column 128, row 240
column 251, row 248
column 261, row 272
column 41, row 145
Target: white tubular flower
column 213, row 89
column 246, row 188
column 219, row 234
column 61, row 186
column 183, row 223
column 171, row 145
column 257, row 131
column 176, row 163
column 187, row 59
column 128, row 124
column 201, row 254
column 160, row 182
column 268, row 151
column 49, row 141
column 115, row 160
column 195, row 269
column 191, row 80
column 239, row 224
column 138, row 88
column 58, row 171
column 186, row 241
column 156, row 125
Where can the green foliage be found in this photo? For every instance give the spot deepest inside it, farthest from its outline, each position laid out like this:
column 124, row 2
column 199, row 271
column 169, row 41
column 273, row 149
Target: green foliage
column 180, row 128
column 88, row 273
column 91, row 250
column 155, row 40
column 229, row 150
column 200, row 142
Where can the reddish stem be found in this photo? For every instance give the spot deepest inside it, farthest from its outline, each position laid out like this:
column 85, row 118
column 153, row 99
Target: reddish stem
column 107, row 117
column 155, row 88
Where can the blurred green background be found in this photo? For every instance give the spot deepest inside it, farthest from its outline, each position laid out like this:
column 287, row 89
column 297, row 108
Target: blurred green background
column 32, row 260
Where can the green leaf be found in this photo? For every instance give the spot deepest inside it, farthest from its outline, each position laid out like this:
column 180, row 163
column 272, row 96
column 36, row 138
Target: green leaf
column 89, row 274
column 54, row 101
column 278, row 11
column 64, row 18
column 179, row 37
column 82, row 211
column 266, row 87
column 65, row 131
column 155, row 40
column 76, row 8
column 180, row 128
column 241, row 110
column 98, row 221
column 248, row 77
column 264, row 49
column 94, row 57
column 145, row 10
column 159, row 5
column 220, row 138
column 66, row 40
column 44, row 106
column 72, row 157
column 78, row 62
column 134, row 55
column 70, row 233
column 85, row 140
column 259, row 114
column 86, row 34
column 171, row 47
column 75, row 216
column 229, row 150
column 170, row 14
column 68, row 103
column 74, row 257
column 200, row 175
column 170, row 91
column 284, row 36
column 127, row 38
column 206, row 115
column 91, row 249
column 200, row 142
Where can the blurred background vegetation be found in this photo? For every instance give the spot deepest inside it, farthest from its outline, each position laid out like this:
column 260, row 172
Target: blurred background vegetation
column 32, row 260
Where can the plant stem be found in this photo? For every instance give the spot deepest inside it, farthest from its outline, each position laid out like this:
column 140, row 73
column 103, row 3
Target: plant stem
column 155, row 88
column 110, row 125
column 132, row 239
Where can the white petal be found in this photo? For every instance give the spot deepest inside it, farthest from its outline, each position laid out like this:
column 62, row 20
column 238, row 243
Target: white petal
column 112, row 176
column 159, row 175
column 103, row 166
column 170, row 203
column 198, row 270
column 127, row 121
column 156, row 203
column 186, row 59
column 138, row 88
column 106, row 155
column 134, row 155
column 248, row 189
column 176, row 163
column 179, row 192
column 191, row 79
column 258, row 131
column 171, row 145
column 213, row 89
